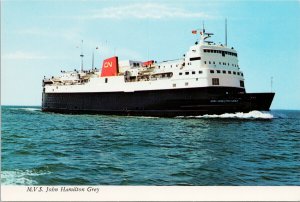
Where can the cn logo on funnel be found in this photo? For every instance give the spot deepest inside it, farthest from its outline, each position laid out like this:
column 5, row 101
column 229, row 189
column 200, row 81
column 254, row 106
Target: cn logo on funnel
column 108, row 64
column 110, row 67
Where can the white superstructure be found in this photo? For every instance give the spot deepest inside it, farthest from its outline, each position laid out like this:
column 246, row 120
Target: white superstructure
column 204, row 64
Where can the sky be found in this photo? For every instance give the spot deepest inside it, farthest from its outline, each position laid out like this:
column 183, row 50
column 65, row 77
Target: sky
column 40, row 38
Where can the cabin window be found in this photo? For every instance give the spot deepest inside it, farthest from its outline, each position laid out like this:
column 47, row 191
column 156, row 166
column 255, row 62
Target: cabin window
column 186, row 84
column 174, row 84
column 219, row 63
column 212, row 71
column 238, row 73
column 242, row 83
column 214, row 62
column 106, row 80
column 229, row 72
column 209, row 62
column 242, row 74
column 200, row 72
column 234, row 73
column 224, row 72
column 195, row 58
column 193, row 72
column 218, row 71
column 204, row 62
column 215, row 81
column 180, row 73
column 187, row 73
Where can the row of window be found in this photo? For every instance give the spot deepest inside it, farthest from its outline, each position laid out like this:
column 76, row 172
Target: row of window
column 221, row 63
column 213, row 71
column 205, row 62
column 215, row 82
column 193, row 72
column 224, row 72
column 219, row 51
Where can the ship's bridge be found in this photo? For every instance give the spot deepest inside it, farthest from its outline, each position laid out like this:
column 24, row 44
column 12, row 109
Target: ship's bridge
column 207, row 54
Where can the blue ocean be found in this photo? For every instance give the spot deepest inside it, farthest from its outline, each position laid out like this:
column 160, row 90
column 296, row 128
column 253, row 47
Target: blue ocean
column 255, row 148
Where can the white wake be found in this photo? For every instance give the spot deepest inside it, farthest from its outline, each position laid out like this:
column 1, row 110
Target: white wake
column 237, row 115
column 30, row 109
column 21, row 177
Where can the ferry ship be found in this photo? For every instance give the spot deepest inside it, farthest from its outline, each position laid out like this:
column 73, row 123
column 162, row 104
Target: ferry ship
column 205, row 80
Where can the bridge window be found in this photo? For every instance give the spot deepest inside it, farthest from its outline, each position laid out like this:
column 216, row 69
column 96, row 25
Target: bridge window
column 215, row 81
column 193, row 72
column 180, row 73
column 187, row 73
column 238, row 73
column 204, row 62
column 242, row 74
column 229, row 72
column 234, row 73
column 200, row 72
column 218, row 71
column 212, row 71
column 224, row 72
column 209, row 62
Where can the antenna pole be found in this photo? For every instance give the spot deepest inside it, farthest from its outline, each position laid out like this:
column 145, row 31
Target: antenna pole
column 81, row 55
column 271, row 83
column 225, row 31
column 93, row 61
column 203, row 27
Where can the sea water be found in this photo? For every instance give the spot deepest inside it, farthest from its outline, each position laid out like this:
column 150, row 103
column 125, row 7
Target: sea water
column 255, row 148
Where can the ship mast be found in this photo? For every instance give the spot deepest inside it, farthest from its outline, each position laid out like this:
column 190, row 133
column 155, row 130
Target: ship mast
column 81, row 55
column 225, row 31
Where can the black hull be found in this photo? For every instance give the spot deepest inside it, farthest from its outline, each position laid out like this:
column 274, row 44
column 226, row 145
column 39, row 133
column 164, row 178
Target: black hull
column 164, row 103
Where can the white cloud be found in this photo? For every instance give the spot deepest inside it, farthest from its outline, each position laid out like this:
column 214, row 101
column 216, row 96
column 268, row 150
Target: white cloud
column 21, row 55
column 71, row 34
column 143, row 11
